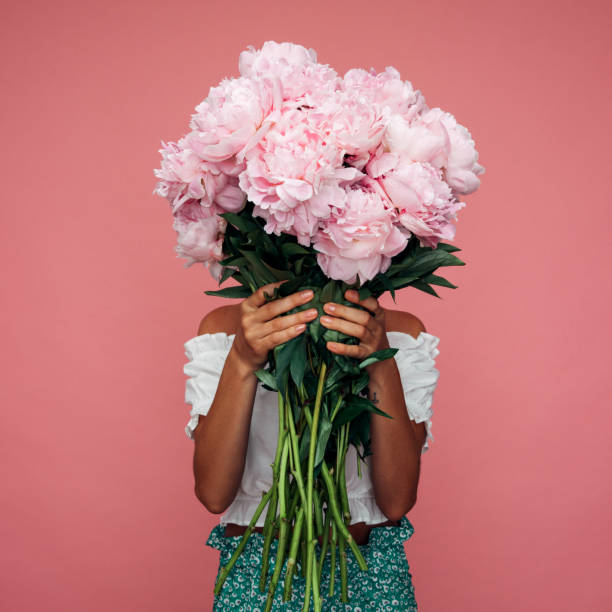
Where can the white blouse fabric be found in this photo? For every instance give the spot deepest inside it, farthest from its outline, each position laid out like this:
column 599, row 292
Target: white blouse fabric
column 207, row 353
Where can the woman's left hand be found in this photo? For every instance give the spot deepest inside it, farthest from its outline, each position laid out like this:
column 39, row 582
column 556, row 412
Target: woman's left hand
column 366, row 325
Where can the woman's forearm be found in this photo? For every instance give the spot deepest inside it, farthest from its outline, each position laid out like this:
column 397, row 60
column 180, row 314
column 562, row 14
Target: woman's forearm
column 221, row 438
column 395, row 462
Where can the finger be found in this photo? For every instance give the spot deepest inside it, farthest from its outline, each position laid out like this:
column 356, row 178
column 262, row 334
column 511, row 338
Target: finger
column 357, row 315
column 258, row 298
column 347, row 327
column 276, row 307
column 284, row 335
column 281, row 323
column 371, row 303
column 350, row 350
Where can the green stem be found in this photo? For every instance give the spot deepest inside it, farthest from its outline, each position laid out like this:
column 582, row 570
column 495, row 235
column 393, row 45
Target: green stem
column 318, row 513
column 332, row 578
column 291, row 561
column 315, row 579
column 296, row 470
column 343, row 575
column 325, row 541
column 282, row 538
column 342, row 484
column 336, row 408
column 268, row 534
column 336, row 515
column 309, row 518
column 226, row 570
column 271, row 522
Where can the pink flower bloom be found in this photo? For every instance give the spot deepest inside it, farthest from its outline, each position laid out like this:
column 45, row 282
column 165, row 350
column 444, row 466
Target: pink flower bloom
column 355, row 124
column 387, row 90
column 359, row 240
column 185, row 176
column 290, row 165
column 304, row 81
column 436, row 137
column 424, row 202
column 200, row 233
column 254, row 62
column 229, row 119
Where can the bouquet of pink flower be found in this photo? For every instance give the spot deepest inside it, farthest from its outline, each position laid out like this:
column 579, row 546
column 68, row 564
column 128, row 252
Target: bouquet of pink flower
column 291, row 172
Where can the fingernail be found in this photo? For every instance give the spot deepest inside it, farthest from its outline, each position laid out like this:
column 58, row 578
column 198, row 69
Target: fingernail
column 306, row 294
column 325, row 319
column 330, row 307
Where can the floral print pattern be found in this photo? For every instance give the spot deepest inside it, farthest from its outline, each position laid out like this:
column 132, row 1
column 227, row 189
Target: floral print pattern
column 385, row 586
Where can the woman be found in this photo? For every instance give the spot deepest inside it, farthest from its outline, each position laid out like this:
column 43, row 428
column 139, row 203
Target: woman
column 234, row 425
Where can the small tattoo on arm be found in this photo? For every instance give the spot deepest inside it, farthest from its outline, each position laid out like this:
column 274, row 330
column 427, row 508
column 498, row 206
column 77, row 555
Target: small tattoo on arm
column 374, row 399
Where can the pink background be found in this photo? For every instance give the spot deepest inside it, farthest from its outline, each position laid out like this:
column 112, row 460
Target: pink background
column 98, row 509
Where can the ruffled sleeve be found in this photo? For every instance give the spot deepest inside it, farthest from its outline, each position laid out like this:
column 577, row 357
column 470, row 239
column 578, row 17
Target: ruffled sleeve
column 416, row 365
column 206, row 355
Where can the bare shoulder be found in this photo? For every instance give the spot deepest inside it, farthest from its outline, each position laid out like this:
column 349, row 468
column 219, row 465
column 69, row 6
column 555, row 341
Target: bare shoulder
column 222, row 319
column 406, row 322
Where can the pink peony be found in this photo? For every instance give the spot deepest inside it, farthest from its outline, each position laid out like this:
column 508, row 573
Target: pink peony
column 304, row 81
column 289, row 166
column 356, row 125
column 232, row 116
column 273, row 56
column 185, row 176
column 387, row 90
column 436, row 137
column 424, row 202
column 359, row 240
column 200, row 233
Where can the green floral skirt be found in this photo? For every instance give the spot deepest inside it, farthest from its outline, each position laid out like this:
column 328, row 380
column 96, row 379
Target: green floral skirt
column 386, row 585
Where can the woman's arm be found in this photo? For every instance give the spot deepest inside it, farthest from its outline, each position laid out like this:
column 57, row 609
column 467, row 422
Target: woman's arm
column 221, row 437
column 396, row 443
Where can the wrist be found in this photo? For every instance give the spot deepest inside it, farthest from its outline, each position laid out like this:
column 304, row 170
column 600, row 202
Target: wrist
column 243, row 366
column 379, row 369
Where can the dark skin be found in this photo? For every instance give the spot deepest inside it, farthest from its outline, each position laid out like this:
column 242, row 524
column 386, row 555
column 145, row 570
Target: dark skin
column 221, row 436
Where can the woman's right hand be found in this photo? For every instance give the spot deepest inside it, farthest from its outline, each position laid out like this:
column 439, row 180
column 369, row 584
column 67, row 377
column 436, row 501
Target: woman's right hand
column 261, row 328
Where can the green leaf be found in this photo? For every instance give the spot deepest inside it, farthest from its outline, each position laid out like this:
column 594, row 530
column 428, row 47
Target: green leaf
column 378, row 356
column 364, row 293
column 227, row 273
column 354, row 405
column 267, row 379
column 424, row 287
column 292, row 248
column 278, row 273
column 324, row 430
column 231, row 292
column 433, row 279
column 263, row 274
column 284, row 354
column 387, row 284
column 299, row 360
column 315, row 329
column 346, row 364
column 360, row 383
column 243, row 223
column 304, row 443
column 448, row 247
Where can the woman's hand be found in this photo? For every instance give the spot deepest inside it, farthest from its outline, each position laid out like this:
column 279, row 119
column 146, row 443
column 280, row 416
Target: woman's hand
column 366, row 325
column 261, row 328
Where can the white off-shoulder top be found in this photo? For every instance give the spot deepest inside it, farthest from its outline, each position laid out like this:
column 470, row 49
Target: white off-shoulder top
column 207, row 353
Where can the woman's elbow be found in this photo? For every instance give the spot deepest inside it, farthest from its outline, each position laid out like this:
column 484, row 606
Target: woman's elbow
column 214, row 506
